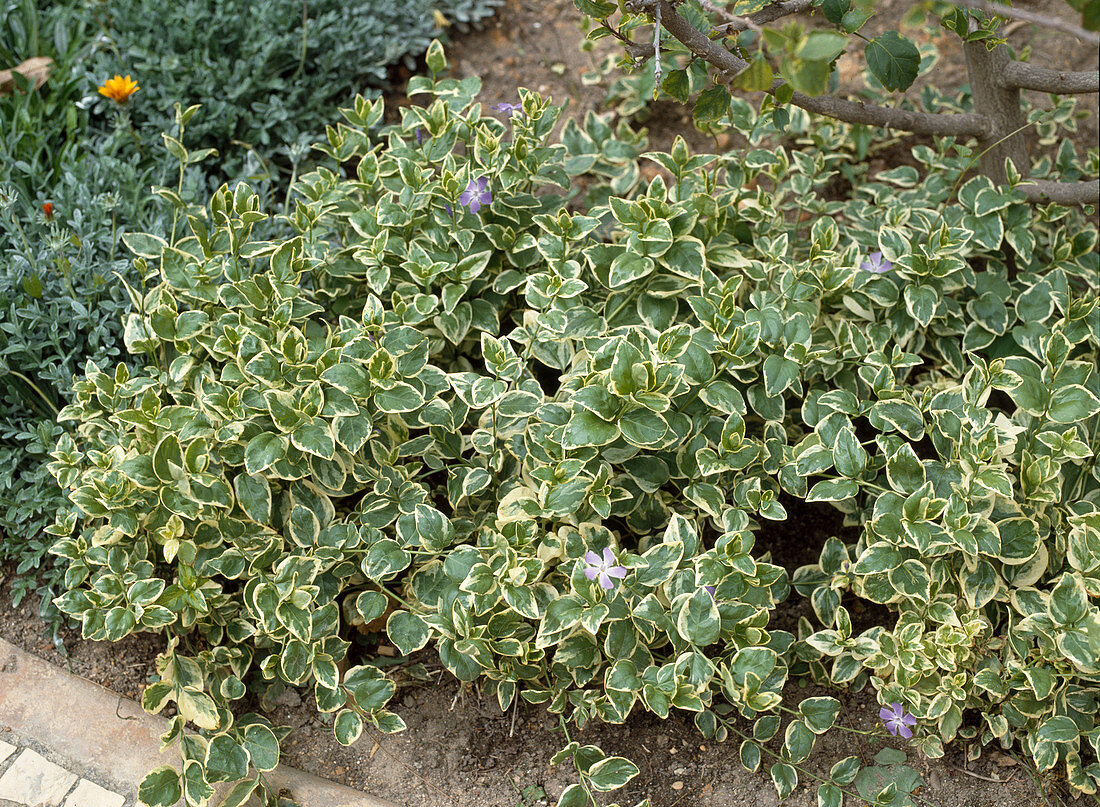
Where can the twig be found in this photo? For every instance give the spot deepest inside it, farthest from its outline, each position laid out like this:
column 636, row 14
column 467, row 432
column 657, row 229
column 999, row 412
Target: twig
column 657, row 52
column 983, row 778
column 1039, row 19
column 515, row 710
column 733, row 23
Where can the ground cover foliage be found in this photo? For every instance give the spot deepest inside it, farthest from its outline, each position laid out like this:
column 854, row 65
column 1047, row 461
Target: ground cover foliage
column 76, row 170
column 529, row 409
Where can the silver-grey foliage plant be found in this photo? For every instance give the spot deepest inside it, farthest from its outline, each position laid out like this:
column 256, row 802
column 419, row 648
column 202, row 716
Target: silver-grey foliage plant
column 537, row 432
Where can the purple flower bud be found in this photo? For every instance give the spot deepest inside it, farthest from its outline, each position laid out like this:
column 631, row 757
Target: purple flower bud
column 419, row 135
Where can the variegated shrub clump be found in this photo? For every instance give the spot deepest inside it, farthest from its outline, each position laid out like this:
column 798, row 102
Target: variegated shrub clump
column 540, row 430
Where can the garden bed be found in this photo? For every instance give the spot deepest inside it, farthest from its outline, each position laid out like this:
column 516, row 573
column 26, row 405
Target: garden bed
column 459, row 749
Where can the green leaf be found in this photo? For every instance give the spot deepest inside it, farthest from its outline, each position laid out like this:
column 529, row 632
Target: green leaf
column 262, row 746
column 627, row 268
column 844, row 772
column 349, row 378
column 226, row 760
column 574, row 795
column 822, row 46
column 829, row 795
column 1068, row 601
column 697, row 617
column 750, row 756
column 832, row 490
column 585, row 429
column 1072, row 403
column 820, row 713
column 303, row 526
column 240, row 793
column 849, row 457
column 758, row 76
column 407, row 631
column 798, row 741
column 643, row 428
column 314, row 438
column 401, row 397
column 712, row 103
column 196, row 707
column 347, row 727
column 295, row 661
column 254, row 496
column 904, row 470
column 785, row 779
column 661, row 561
column 893, row 60
column 263, row 451
column 370, row 605
column 144, row 245
column 611, row 773
column 160, row 787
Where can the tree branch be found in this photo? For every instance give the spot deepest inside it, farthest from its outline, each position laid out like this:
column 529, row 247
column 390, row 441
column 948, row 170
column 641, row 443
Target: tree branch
column 732, row 65
column 966, row 124
column 1064, row 193
column 1024, row 76
column 735, row 25
column 1039, row 19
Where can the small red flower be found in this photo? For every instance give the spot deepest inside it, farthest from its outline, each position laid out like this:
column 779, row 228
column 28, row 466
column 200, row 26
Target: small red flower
column 47, row 211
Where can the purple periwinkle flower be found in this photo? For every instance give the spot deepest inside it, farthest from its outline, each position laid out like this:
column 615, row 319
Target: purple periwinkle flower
column 710, row 591
column 603, row 568
column 508, row 109
column 476, row 195
column 876, row 263
column 897, row 721
column 419, row 135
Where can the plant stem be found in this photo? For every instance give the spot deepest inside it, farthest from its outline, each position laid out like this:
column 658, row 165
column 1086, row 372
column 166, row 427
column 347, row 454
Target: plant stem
column 36, row 388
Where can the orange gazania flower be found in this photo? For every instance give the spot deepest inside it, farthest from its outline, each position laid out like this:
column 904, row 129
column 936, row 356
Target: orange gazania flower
column 119, row 89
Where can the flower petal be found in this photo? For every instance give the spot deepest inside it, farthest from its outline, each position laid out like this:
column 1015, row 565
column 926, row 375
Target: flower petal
column 617, row 571
column 886, row 713
column 605, row 581
column 592, row 558
column 591, row 572
column 904, row 731
column 608, row 556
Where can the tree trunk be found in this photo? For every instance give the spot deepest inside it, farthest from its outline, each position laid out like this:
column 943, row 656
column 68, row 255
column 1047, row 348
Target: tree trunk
column 1000, row 106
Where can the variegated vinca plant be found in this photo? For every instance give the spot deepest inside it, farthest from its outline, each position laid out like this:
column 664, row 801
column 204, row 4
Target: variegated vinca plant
column 437, row 398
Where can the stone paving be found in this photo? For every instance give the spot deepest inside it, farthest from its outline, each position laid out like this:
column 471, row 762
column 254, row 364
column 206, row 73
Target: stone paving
column 28, row 779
